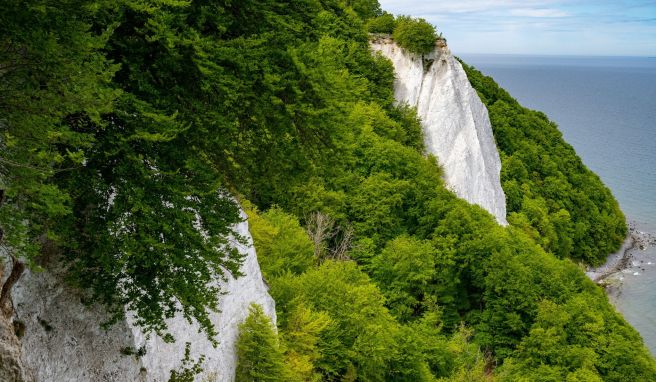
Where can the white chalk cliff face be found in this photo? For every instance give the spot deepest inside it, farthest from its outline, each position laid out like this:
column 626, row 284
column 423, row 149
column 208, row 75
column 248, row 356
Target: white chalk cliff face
column 63, row 340
column 456, row 124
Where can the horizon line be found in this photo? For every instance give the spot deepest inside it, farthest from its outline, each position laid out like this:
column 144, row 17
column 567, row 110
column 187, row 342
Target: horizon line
column 557, row 55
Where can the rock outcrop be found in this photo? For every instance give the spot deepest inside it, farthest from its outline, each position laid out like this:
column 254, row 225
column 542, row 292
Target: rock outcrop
column 11, row 366
column 64, row 342
column 456, row 124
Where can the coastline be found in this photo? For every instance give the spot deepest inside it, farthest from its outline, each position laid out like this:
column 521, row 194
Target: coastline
column 627, row 278
column 624, row 258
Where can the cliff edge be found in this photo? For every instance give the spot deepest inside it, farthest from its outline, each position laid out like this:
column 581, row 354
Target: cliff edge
column 63, row 339
column 456, row 124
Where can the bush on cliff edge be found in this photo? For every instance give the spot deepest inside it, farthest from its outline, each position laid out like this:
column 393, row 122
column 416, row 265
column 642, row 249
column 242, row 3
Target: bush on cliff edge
column 415, row 34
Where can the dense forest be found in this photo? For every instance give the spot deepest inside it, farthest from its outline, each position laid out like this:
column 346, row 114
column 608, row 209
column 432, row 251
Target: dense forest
column 133, row 131
column 549, row 191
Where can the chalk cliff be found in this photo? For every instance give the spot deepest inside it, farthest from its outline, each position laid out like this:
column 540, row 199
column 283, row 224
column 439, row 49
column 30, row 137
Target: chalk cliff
column 456, row 124
column 11, row 366
column 64, row 342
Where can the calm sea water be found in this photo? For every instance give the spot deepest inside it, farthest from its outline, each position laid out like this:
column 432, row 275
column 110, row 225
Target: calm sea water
column 606, row 109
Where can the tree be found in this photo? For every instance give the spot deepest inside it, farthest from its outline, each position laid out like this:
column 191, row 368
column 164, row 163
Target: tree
column 282, row 244
column 360, row 338
column 384, row 23
column 301, row 335
column 54, row 86
column 415, row 34
column 259, row 356
column 364, row 8
column 152, row 229
column 405, row 270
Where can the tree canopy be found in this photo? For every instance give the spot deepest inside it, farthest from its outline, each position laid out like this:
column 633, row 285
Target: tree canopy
column 415, row 34
column 550, row 193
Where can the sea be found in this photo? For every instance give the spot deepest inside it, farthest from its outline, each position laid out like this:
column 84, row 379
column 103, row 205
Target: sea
column 606, row 109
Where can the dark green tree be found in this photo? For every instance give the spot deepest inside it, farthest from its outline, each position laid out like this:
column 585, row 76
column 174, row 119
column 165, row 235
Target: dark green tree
column 152, row 222
column 54, row 87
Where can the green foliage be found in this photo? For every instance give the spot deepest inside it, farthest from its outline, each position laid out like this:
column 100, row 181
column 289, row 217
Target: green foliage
column 360, row 338
column 282, row 244
column 54, row 82
column 549, row 191
column 189, row 369
column 384, row 23
column 404, row 270
column 301, row 336
column 470, row 364
column 415, row 34
column 163, row 107
column 259, row 356
column 546, row 317
column 562, row 342
column 364, row 8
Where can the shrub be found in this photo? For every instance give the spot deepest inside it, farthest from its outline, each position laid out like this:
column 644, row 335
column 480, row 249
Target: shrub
column 416, row 35
column 384, row 23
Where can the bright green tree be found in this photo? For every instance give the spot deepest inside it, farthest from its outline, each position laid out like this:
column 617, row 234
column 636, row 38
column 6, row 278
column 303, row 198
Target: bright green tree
column 301, row 335
column 282, row 244
column 415, row 34
column 384, row 23
column 259, row 356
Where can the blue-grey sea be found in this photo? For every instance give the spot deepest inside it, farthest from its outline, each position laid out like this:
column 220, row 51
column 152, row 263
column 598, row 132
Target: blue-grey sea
column 605, row 108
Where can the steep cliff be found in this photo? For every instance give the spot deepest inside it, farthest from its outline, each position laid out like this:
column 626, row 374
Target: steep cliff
column 456, row 125
column 63, row 340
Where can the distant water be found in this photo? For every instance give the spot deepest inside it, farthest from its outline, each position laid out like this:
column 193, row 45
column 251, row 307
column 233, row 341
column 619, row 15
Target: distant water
column 606, row 109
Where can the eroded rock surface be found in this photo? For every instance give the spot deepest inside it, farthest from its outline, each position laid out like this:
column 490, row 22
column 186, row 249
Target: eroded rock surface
column 11, row 367
column 64, row 342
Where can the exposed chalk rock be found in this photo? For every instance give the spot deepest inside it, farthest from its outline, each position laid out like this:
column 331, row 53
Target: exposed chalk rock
column 11, row 366
column 64, row 342
column 456, row 124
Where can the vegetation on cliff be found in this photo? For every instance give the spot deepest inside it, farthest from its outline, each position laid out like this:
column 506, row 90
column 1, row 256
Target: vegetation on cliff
column 551, row 195
column 384, row 23
column 416, row 35
column 132, row 121
column 258, row 349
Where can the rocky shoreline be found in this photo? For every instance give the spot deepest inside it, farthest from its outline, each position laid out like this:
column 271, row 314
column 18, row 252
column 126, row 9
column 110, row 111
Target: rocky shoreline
column 624, row 258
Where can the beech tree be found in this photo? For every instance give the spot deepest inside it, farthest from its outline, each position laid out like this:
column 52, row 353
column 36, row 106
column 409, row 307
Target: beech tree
column 259, row 356
column 54, row 85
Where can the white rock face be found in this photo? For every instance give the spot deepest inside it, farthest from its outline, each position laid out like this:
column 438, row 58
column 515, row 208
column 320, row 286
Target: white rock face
column 456, row 124
column 63, row 341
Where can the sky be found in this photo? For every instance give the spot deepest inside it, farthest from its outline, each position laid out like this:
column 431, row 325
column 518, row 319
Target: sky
column 545, row 27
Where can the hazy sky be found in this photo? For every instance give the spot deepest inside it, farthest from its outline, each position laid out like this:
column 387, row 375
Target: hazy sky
column 572, row 27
